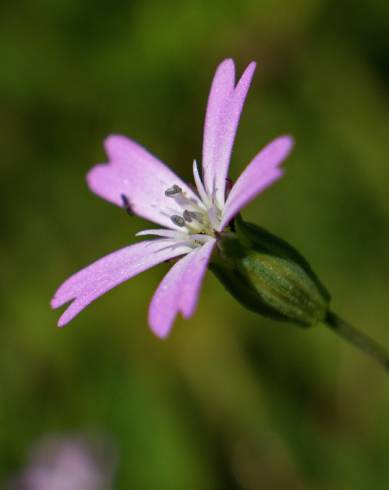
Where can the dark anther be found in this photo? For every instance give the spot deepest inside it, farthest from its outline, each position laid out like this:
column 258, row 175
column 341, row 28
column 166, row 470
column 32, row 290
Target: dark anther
column 173, row 191
column 127, row 205
column 178, row 220
column 189, row 216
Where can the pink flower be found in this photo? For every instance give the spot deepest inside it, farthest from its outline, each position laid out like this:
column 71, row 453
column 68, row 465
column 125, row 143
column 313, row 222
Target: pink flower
column 191, row 220
column 67, row 463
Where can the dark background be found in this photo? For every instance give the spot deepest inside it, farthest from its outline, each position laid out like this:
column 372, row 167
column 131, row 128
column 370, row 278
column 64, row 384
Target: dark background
column 230, row 400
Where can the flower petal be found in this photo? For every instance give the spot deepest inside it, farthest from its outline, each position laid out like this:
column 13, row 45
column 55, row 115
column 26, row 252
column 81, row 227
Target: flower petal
column 225, row 104
column 140, row 177
column 179, row 290
column 88, row 284
column 258, row 175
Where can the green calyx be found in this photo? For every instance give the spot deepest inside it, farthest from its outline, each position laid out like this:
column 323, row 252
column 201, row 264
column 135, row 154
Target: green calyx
column 268, row 276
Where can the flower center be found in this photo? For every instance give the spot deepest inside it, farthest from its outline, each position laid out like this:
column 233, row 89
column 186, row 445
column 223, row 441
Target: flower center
column 197, row 217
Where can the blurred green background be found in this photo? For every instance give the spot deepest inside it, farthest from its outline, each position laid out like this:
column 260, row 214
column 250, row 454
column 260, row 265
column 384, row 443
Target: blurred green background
column 230, row 400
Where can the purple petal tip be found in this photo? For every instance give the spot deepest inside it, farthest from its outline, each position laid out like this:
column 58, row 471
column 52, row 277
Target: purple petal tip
column 226, row 67
column 227, row 61
column 112, row 139
column 55, row 302
column 252, row 66
column 288, row 141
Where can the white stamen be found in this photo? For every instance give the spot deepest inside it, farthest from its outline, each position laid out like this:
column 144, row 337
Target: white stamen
column 198, row 237
column 162, row 232
column 199, row 185
column 213, row 218
column 185, row 202
column 189, row 216
column 173, row 245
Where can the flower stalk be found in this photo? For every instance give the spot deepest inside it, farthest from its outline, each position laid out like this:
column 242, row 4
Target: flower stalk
column 355, row 337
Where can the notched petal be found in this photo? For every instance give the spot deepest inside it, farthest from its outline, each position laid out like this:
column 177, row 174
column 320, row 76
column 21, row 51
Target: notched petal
column 134, row 172
column 179, row 290
column 95, row 280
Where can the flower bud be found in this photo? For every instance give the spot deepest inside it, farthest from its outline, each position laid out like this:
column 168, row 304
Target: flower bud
column 268, row 276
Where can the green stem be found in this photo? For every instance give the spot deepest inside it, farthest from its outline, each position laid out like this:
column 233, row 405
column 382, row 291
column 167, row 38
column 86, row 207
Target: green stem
column 358, row 339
